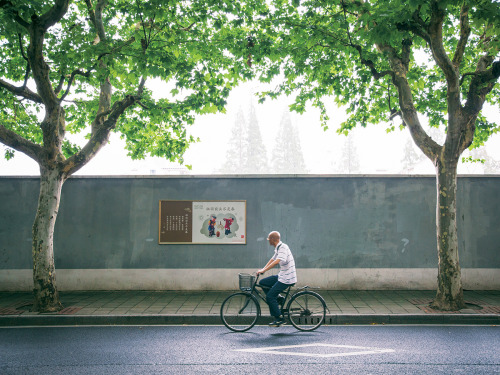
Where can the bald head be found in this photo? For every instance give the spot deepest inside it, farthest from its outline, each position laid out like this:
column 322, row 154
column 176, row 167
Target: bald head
column 274, row 238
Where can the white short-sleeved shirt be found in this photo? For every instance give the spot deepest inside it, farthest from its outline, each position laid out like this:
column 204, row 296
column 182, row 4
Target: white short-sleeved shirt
column 287, row 274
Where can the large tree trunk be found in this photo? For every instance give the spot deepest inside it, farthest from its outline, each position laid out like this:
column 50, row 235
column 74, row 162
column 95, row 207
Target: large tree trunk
column 44, row 274
column 54, row 167
column 449, row 291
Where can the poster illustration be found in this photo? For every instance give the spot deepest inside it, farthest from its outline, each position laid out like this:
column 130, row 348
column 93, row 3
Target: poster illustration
column 203, row 222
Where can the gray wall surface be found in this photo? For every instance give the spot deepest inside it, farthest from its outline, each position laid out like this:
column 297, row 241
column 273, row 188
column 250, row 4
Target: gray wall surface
column 328, row 222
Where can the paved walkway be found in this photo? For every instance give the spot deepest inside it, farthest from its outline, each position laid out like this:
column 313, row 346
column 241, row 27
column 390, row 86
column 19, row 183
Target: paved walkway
column 195, row 307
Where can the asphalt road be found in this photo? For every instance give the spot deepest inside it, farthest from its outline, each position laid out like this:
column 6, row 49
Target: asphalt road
column 214, row 349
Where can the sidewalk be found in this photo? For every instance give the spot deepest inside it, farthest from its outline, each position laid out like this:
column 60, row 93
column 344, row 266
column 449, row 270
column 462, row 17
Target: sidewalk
column 202, row 307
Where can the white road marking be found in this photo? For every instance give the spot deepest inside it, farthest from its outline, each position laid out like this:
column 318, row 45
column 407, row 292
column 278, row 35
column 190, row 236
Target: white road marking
column 358, row 350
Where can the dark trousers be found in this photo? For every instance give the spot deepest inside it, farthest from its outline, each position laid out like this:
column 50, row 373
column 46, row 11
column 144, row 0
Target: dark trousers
column 272, row 287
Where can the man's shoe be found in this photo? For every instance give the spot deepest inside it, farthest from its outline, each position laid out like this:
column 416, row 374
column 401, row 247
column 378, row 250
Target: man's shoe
column 277, row 322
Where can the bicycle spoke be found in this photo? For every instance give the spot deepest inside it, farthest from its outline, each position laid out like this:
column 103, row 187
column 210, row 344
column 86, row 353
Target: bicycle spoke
column 307, row 311
column 240, row 311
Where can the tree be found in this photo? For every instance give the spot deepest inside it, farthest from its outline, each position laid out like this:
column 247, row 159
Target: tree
column 83, row 66
column 287, row 154
column 391, row 58
column 349, row 158
column 256, row 151
column 246, row 153
column 410, row 158
column 235, row 153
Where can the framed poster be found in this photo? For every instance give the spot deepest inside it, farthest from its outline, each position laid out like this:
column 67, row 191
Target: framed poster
column 202, row 222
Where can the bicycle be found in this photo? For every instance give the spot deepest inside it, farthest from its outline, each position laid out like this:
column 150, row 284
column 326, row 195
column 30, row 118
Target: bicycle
column 239, row 312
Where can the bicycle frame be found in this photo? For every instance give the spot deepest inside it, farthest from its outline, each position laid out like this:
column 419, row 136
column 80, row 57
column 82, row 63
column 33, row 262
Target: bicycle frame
column 256, row 293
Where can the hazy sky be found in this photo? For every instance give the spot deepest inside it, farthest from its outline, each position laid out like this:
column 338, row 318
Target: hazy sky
column 378, row 152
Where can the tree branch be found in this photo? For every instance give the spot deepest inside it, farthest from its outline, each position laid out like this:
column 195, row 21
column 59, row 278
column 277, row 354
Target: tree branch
column 87, row 73
column 454, row 135
column 407, row 109
column 188, row 28
column 371, row 65
column 58, row 89
column 465, row 31
column 481, row 85
column 483, row 81
column 40, row 68
column 71, row 79
column 96, row 17
column 23, row 91
column 368, row 63
column 465, row 75
column 28, row 68
column 105, row 94
column 54, row 14
column 5, row 4
column 406, row 49
column 432, row 33
column 435, row 29
column 15, row 141
column 100, row 135
column 417, row 26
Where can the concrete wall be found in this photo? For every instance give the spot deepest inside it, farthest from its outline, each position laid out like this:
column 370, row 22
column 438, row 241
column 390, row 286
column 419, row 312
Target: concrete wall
column 345, row 232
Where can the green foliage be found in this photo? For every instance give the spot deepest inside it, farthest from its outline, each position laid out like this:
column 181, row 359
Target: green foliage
column 332, row 51
column 69, row 148
column 484, row 129
column 9, row 153
column 197, row 48
column 20, row 116
column 470, row 159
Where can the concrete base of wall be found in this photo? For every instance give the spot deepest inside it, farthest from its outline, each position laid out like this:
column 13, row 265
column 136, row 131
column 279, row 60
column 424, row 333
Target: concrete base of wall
column 227, row 279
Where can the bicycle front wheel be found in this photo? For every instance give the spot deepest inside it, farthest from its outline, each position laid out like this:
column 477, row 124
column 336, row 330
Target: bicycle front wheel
column 239, row 312
column 307, row 310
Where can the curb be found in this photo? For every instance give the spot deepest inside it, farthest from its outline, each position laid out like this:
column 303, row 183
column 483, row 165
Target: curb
column 408, row 319
column 365, row 319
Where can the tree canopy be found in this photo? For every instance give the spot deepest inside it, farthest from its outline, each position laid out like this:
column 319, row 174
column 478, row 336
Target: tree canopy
column 353, row 51
column 93, row 58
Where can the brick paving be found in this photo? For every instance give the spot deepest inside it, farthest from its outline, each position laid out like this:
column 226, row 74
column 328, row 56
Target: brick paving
column 380, row 306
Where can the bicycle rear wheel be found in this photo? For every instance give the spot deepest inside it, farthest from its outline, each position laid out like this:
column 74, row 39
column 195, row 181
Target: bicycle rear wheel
column 306, row 310
column 239, row 312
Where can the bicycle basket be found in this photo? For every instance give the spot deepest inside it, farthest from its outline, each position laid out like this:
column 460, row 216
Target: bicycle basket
column 246, row 281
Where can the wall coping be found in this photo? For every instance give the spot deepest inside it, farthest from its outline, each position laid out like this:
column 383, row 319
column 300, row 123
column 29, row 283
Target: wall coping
column 262, row 176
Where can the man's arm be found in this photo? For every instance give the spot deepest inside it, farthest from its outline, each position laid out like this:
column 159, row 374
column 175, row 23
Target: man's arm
column 272, row 263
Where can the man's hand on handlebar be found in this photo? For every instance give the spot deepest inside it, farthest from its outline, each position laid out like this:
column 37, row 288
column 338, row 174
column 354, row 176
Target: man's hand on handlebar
column 260, row 272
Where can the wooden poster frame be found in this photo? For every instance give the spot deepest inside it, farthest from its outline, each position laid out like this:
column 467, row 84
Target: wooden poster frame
column 208, row 222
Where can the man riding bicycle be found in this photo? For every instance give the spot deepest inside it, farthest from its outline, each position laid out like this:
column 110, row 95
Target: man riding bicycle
column 287, row 276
